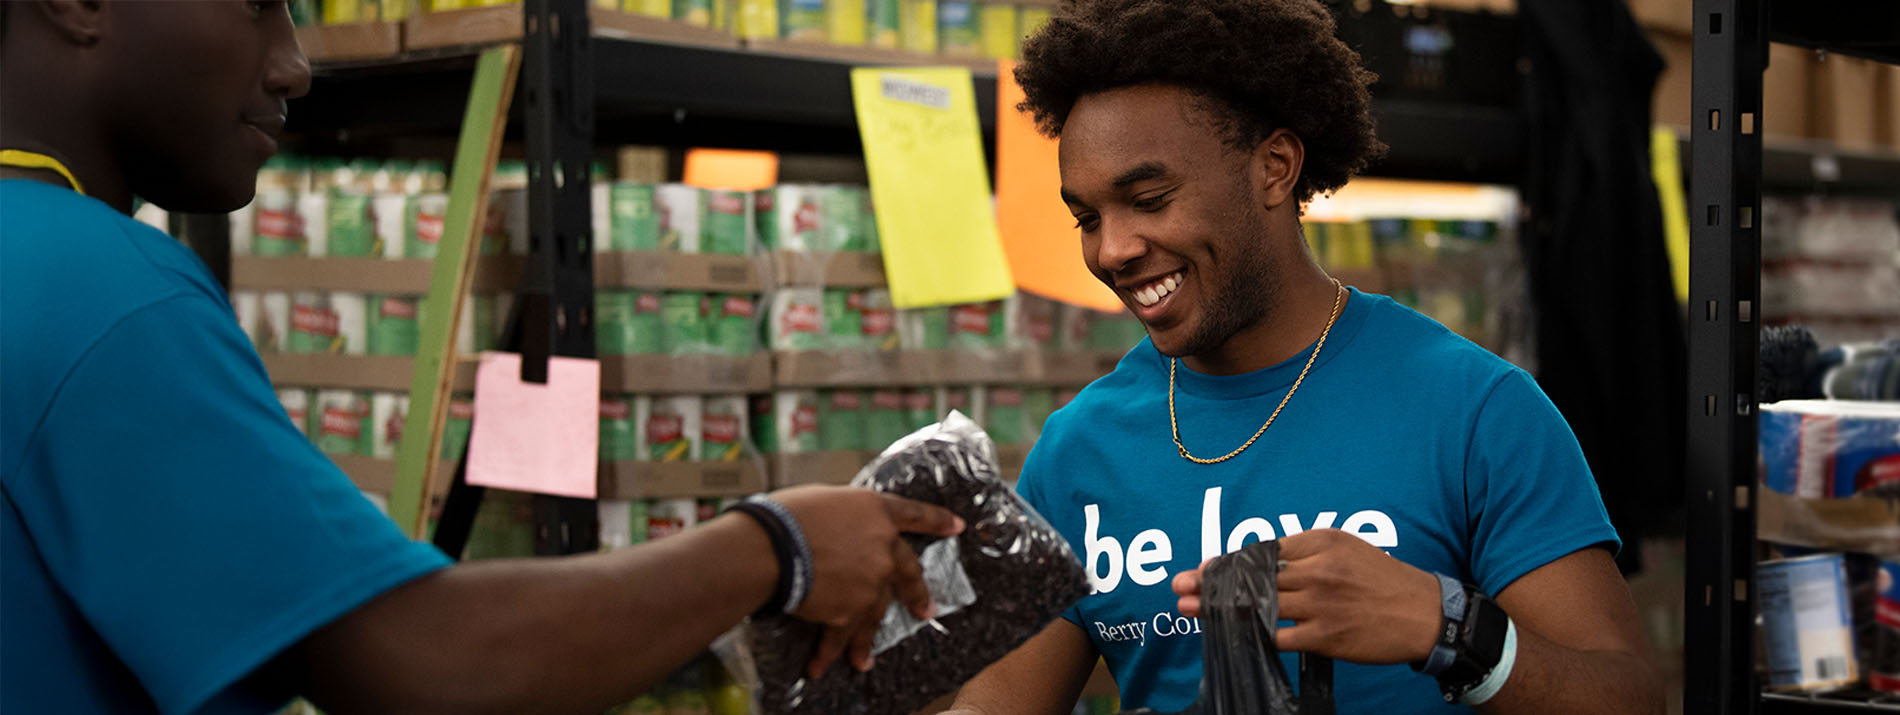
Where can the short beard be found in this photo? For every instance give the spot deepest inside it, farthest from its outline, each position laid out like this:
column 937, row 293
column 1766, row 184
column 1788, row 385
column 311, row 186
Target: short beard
column 1241, row 299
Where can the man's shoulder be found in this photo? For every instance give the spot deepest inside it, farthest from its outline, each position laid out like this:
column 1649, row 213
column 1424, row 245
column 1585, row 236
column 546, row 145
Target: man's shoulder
column 73, row 266
column 1131, row 381
column 58, row 241
column 1416, row 347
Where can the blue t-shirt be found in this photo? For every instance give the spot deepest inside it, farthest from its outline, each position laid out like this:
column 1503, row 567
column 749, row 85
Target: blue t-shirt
column 1417, row 440
column 164, row 529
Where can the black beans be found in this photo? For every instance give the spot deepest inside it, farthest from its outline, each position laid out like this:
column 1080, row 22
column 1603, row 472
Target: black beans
column 1241, row 673
column 998, row 583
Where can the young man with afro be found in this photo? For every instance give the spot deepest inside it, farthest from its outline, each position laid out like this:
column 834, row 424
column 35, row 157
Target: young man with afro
column 171, row 543
column 1432, row 506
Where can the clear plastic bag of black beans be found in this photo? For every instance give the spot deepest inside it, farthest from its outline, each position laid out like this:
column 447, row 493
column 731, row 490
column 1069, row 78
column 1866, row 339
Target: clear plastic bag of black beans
column 995, row 585
column 1241, row 672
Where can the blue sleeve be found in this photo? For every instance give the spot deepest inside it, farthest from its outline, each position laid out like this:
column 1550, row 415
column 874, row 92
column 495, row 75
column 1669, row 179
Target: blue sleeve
column 198, row 532
column 1530, row 494
column 1038, row 468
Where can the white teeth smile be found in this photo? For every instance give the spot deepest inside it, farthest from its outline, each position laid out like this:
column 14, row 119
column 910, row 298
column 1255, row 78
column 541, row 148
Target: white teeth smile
column 1152, row 293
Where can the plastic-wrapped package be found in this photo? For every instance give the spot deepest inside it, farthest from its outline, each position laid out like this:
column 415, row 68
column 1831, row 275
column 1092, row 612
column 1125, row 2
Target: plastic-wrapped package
column 1820, row 449
column 998, row 583
column 1241, row 673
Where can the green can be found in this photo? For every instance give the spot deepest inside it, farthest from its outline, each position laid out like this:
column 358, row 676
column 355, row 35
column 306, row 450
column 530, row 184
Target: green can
column 632, row 224
column 764, row 421
column 352, row 229
column 722, row 429
column 619, row 432
column 977, row 326
column 393, row 325
column 342, row 422
column 797, row 320
column 924, row 328
column 456, row 429
column 628, row 322
column 877, row 320
column 734, row 328
column 277, row 230
column 882, row 20
column 485, row 322
column 868, row 225
column 727, row 221
column 424, row 221
column 920, row 408
column 802, row 20
column 683, row 322
column 637, row 534
column 959, row 28
column 843, row 218
column 694, row 12
column 844, row 326
column 840, row 420
column 789, row 218
column 884, row 420
column 1005, row 421
column 673, row 429
column 1038, row 404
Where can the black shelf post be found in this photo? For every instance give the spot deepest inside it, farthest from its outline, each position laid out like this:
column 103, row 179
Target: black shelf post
column 556, row 312
column 553, row 314
column 1724, row 302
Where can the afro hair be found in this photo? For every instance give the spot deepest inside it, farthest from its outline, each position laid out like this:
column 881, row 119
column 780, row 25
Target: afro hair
column 1264, row 64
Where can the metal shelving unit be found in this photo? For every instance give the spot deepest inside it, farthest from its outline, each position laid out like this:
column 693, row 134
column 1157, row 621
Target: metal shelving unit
column 1727, row 174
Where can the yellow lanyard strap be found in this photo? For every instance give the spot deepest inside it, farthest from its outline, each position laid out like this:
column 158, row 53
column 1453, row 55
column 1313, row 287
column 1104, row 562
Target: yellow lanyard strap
column 33, row 160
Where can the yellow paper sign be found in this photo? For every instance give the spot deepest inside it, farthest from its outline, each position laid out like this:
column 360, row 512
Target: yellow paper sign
column 1039, row 234
column 924, row 150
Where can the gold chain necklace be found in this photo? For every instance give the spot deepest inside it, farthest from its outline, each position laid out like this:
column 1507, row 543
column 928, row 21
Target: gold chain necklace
column 1338, row 293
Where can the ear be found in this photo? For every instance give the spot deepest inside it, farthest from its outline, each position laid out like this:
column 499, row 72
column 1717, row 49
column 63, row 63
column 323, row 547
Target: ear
column 1275, row 168
column 81, row 22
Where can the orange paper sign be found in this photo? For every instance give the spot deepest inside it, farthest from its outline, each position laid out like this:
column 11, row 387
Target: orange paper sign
column 731, row 169
column 1039, row 235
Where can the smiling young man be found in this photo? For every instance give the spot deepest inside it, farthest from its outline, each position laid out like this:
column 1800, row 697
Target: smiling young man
column 1414, row 479
column 169, row 542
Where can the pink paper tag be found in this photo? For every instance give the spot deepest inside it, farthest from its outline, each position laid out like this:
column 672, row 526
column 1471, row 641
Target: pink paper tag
column 536, row 438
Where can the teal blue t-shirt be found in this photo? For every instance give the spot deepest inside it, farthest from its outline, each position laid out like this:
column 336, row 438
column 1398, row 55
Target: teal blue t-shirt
column 1418, row 441
column 164, row 529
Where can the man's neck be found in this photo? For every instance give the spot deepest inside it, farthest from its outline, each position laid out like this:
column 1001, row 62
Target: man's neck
column 1299, row 311
column 42, row 115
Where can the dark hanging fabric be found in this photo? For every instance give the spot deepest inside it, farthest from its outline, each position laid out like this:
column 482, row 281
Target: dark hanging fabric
column 1611, row 351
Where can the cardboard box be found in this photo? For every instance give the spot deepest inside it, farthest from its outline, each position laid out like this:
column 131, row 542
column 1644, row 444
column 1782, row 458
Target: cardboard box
column 843, row 269
column 1842, row 92
column 1887, row 107
column 405, row 276
column 351, row 41
column 1670, row 103
column 381, row 373
column 1674, row 16
column 835, row 467
column 680, row 480
column 686, row 374
column 1785, row 87
column 676, row 271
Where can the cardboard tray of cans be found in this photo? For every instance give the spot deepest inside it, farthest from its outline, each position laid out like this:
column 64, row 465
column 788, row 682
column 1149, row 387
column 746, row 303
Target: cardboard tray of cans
column 686, row 374
column 355, row 372
column 403, row 276
column 352, row 42
column 916, row 368
column 503, row 23
column 839, row 466
column 669, row 480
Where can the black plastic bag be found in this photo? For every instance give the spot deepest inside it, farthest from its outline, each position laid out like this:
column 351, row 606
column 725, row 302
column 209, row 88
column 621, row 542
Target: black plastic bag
column 995, row 585
column 1241, row 672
